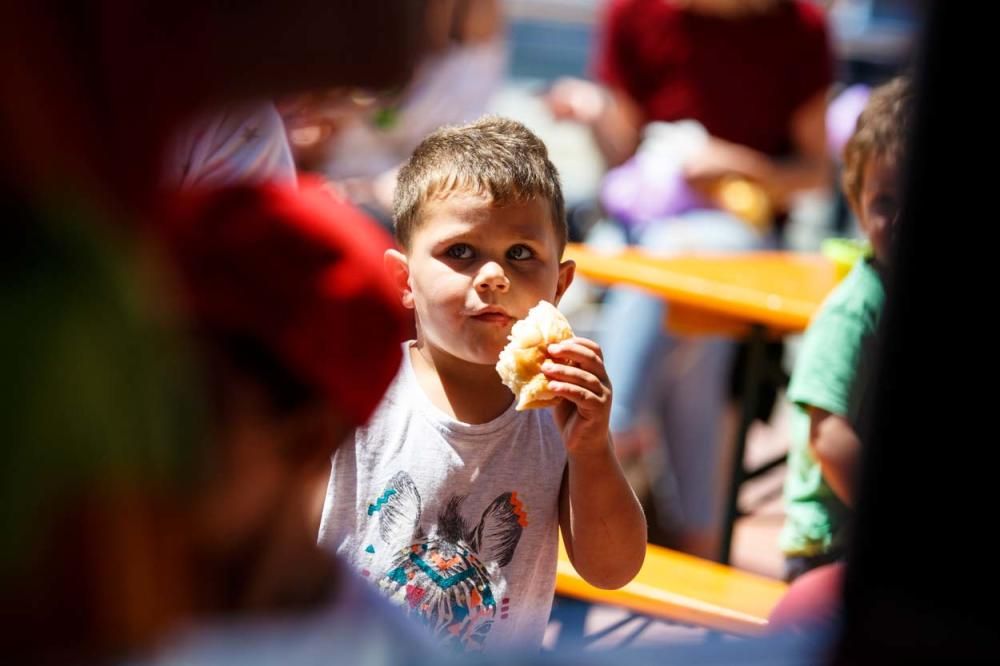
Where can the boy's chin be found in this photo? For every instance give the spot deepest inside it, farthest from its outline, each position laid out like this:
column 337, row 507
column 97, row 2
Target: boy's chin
column 489, row 359
column 483, row 355
column 487, row 354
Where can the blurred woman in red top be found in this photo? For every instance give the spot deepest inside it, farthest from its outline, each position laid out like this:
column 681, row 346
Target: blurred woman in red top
column 755, row 75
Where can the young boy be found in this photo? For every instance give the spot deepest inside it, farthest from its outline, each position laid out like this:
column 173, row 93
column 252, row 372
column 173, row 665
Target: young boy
column 830, row 375
column 449, row 499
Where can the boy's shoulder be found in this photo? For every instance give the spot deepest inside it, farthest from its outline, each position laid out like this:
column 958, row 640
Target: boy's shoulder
column 859, row 296
column 835, row 339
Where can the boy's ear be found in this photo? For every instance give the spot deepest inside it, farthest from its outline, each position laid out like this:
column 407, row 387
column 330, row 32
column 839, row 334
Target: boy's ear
column 567, row 270
column 499, row 530
column 399, row 271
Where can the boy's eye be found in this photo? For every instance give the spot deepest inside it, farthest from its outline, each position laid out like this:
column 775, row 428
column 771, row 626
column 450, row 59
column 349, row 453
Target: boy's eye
column 459, row 251
column 519, row 253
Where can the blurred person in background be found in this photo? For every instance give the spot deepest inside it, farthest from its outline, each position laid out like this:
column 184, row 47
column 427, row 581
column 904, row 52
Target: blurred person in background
column 102, row 416
column 754, row 76
column 240, row 143
column 833, row 367
column 279, row 284
column 359, row 139
column 834, row 373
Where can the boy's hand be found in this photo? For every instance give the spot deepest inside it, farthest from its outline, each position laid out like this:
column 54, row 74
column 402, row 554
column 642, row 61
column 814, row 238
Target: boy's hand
column 577, row 374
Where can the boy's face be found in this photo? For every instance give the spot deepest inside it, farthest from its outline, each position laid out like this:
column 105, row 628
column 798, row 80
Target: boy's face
column 878, row 207
column 474, row 269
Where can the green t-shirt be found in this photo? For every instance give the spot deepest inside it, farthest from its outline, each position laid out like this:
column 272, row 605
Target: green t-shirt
column 831, row 374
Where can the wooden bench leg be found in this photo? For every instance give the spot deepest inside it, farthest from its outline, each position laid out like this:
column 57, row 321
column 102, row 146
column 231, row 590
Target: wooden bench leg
column 751, row 385
column 572, row 616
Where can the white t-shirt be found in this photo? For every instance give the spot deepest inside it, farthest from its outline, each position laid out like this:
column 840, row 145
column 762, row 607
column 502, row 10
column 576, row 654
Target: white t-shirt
column 238, row 144
column 457, row 523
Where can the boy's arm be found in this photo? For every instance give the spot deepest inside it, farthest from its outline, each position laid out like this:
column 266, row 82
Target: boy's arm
column 838, row 450
column 828, row 380
column 807, row 168
column 602, row 522
column 615, row 121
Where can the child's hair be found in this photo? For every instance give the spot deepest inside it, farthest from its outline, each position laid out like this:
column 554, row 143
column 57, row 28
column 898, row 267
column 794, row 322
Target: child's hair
column 494, row 157
column 882, row 131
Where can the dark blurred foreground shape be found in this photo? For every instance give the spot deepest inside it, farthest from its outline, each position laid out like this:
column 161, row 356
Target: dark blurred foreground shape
column 101, row 413
column 89, row 92
column 919, row 585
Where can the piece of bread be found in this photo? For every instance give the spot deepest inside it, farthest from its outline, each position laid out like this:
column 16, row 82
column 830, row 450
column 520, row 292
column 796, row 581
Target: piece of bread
column 520, row 361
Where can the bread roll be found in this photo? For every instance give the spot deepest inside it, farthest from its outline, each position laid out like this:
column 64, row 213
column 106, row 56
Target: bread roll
column 520, row 361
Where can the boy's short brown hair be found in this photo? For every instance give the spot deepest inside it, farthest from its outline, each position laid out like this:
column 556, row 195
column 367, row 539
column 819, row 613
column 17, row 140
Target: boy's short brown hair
column 495, row 157
column 882, row 131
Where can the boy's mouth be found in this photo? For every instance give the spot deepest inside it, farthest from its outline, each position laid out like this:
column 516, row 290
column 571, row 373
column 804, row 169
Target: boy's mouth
column 493, row 315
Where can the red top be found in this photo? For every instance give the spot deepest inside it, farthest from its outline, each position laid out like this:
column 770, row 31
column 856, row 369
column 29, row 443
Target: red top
column 299, row 271
column 741, row 78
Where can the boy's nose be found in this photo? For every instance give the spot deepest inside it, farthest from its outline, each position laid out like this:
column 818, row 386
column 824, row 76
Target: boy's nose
column 492, row 278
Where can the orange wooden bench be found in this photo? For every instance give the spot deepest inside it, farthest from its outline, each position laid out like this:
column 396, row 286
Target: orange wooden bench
column 681, row 588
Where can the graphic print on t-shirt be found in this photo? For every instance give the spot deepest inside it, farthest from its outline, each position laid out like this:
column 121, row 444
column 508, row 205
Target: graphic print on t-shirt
column 450, row 579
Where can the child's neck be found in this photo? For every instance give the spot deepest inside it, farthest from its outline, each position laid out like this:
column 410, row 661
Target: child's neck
column 468, row 392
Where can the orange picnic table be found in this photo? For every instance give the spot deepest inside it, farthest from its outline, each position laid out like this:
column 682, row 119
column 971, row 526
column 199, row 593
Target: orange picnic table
column 777, row 290
column 753, row 295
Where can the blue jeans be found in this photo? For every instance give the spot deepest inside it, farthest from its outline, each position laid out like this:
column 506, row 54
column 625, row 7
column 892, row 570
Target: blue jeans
column 680, row 384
